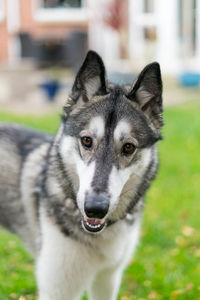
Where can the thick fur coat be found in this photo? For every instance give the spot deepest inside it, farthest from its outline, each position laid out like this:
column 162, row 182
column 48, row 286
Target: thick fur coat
column 76, row 199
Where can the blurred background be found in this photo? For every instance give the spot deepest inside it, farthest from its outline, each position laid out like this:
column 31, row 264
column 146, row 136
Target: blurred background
column 42, row 44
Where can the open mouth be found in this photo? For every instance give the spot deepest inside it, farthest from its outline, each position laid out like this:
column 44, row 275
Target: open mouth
column 93, row 225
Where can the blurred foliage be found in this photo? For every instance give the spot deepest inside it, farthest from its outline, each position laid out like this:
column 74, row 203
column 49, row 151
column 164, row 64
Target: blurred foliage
column 167, row 261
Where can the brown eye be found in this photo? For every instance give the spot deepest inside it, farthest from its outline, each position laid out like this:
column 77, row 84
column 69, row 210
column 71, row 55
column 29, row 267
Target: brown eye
column 86, row 141
column 128, row 148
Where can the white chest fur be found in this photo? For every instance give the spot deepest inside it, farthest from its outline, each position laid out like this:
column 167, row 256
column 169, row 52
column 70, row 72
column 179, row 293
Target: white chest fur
column 70, row 267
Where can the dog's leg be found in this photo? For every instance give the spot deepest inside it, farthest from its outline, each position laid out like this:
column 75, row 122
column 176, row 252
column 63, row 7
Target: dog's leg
column 106, row 284
column 56, row 275
column 65, row 267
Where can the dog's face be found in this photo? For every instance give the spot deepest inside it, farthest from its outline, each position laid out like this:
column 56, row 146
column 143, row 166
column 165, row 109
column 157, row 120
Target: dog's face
column 108, row 140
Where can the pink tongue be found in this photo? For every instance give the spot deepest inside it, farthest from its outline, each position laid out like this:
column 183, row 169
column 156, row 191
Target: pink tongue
column 94, row 221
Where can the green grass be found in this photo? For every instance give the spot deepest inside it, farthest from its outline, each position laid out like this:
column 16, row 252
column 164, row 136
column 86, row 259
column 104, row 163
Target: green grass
column 167, row 261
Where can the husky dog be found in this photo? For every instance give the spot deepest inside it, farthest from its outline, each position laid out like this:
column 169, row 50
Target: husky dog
column 76, row 199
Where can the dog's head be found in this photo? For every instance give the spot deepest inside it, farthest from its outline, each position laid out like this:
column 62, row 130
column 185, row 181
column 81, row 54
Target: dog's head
column 108, row 141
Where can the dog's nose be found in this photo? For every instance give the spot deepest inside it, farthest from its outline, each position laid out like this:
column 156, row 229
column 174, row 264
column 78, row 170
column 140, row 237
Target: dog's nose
column 96, row 206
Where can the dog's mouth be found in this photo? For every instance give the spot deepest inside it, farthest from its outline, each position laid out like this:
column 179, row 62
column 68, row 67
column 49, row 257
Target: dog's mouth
column 93, row 225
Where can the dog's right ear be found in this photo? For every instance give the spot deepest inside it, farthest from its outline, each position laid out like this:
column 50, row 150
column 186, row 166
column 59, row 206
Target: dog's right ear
column 90, row 81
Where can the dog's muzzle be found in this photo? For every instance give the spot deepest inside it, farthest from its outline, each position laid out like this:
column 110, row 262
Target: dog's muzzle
column 96, row 208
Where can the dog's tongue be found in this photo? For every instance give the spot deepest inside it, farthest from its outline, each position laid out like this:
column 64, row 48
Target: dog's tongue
column 94, row 221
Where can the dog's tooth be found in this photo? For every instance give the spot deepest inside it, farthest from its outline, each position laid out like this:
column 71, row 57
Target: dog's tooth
column 92, row 226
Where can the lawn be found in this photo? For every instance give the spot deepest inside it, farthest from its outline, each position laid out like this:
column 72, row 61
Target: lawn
column 167, row 261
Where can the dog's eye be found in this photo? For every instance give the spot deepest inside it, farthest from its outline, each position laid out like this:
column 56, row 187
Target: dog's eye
column 128, row 148
column 86, row 141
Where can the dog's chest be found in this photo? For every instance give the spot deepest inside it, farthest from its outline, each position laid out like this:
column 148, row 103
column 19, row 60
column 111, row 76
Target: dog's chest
column 112, row 249
column 119, row 243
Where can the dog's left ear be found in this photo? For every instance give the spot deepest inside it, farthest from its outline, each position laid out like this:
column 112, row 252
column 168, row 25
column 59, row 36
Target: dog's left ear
column 90, row 80
column 147, row 92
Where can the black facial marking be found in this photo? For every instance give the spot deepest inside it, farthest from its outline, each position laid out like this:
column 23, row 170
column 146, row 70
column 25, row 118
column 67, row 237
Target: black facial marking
column 105, row 157
column 116, row 104
column 141, row 106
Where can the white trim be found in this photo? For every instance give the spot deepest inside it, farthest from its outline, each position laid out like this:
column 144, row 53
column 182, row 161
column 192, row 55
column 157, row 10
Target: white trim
column 146, row 20
column 13, row 16
column 198, row 31
column 2, row 10
column 52, row 15
column 136, row 34
column 13, row 50
column 61, row 15
column 167, row 35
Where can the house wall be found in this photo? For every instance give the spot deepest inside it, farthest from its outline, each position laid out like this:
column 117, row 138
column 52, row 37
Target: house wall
column 3, row 33
column 173, row 54
column 3, row 41
column 26, row 16
column 31, row 22
column 35, row 22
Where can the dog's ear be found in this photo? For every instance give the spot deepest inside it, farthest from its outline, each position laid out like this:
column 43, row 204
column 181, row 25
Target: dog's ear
column 147, row 92
column 90, row 80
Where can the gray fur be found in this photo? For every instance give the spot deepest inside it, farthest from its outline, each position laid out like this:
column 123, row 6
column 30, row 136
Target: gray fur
column 36, row 175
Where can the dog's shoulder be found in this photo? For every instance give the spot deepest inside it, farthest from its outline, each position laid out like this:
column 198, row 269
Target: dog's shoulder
column 24, row 139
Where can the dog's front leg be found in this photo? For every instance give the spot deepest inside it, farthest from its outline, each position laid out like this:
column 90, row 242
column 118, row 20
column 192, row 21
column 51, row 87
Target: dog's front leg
column 106, row 284
column 59, row 276
column 63, row 268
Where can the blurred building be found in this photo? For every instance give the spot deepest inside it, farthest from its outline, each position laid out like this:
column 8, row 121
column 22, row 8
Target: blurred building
column 164, row 30
column 42, row 29
column 168, row 31
column 126, row 33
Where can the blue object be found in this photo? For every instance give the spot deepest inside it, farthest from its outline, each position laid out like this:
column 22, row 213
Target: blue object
column 51, row 88
column 189, row 79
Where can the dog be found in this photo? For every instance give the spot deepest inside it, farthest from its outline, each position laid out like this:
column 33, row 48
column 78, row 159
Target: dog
column 76, row 198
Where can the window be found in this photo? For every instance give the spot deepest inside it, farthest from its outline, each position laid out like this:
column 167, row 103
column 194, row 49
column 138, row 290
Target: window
column 68, row 11
column 62, row 4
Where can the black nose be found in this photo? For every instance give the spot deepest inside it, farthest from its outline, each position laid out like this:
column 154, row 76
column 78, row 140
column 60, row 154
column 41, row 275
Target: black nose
column 96, row 206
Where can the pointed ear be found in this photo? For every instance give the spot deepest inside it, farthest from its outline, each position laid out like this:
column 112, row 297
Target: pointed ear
column 147, row 92
column 90, row 80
